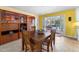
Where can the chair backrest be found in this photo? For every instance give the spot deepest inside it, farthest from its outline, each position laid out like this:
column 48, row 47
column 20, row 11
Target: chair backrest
column 26, row 37
column 27, row 42
column 52, row 35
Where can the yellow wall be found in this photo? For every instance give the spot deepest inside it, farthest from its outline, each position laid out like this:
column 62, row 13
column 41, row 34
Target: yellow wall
column 40, row 22
column 70, row 30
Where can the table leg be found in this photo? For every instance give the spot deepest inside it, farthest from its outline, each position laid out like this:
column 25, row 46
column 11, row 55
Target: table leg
column 22, row 44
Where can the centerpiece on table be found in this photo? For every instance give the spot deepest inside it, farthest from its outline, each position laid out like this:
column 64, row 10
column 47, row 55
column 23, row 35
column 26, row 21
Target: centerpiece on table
column 40, row 32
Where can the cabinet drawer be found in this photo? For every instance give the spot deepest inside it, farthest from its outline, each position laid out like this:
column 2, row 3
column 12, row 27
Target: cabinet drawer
column 14, row 36
column 5, row 39
column 8, row 38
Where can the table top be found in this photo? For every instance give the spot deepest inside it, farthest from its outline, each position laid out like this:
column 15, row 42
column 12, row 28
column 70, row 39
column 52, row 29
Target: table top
column 40, row 37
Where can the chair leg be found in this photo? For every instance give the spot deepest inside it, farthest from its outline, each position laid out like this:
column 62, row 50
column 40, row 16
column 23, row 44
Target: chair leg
column 51, row 47
column 48, row 47
column 32, row 48
column 41, row 48
column 26, row 49
column 54, row 42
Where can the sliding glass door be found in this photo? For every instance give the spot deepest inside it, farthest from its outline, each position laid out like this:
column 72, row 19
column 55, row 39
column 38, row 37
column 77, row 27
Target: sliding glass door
column 54, row 22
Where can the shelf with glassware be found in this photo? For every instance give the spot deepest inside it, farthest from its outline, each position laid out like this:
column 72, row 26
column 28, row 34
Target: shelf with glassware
column 30, row 23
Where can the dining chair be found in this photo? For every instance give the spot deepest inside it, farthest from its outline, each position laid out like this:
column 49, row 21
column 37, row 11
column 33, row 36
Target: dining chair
column 48, row 42
column 29, row 44
column 52, row 38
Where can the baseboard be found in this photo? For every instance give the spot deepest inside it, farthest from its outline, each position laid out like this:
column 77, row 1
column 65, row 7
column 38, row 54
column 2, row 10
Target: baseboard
column 70, row 37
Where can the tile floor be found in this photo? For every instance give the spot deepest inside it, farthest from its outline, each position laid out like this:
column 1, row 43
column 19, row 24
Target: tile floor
column 14, row 46
column 62, row 44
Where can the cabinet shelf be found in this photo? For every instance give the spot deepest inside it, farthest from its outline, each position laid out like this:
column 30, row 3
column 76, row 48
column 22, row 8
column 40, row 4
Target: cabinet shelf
column 9, row 32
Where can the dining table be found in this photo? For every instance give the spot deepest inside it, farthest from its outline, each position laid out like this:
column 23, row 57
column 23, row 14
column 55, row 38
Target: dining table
column 38, row 38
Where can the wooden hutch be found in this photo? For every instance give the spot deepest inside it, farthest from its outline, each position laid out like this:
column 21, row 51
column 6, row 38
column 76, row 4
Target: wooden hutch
column 11, row 24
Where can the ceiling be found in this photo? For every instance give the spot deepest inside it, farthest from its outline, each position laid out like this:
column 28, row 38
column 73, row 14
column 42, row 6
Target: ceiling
column 40, row 10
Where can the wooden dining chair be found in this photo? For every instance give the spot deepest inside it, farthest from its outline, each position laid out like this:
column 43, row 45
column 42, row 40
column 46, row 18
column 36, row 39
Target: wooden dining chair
column 48, row 42
column 52, row 38
column 29, row 44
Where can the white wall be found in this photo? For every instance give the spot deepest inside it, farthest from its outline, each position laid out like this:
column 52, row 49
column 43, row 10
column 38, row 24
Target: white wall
column 77, row 19
column 77, row 14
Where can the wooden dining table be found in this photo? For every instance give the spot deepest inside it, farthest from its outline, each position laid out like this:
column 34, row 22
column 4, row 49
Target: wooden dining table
column 38, row 38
